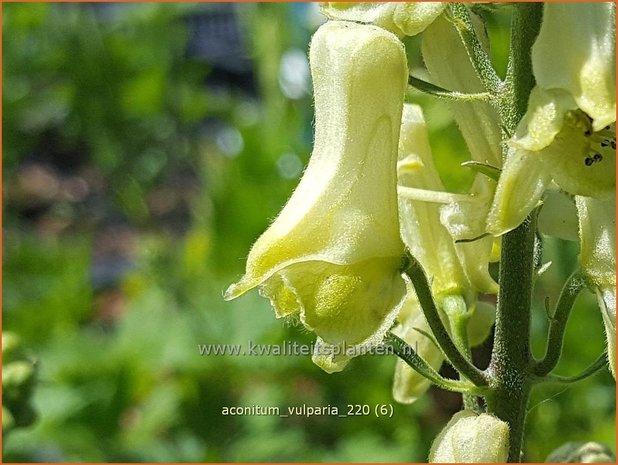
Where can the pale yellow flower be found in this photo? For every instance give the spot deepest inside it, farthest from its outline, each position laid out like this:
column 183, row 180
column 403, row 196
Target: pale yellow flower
column 408, row 384
column 423, row 234
column 429, row 227
column 449, row 66
column 568, row 134
column 431, row 244
column 333, row 254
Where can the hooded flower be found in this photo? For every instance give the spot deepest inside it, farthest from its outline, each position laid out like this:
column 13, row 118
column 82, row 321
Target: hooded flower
column 423, row 234
column 597, row 229
column 429, row 227
column 568, row 134
column 471, row 438
column 431, row 244
column 333, row 254
column 401, row 18
column 449, row 67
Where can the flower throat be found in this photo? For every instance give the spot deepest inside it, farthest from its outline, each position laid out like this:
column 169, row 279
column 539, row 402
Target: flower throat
column 602, row 144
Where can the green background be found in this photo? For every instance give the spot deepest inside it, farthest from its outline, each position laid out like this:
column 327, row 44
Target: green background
column 135, row 177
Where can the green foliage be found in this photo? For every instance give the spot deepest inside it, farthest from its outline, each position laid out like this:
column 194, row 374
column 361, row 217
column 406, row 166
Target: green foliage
column 120, row 377
column 18, row 380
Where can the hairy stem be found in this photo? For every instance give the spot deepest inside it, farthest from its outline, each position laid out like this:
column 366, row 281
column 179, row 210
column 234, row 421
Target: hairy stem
column 510, row 370
column 440, row 92
column 519, row 81
column 416, row 362
column 460, row 17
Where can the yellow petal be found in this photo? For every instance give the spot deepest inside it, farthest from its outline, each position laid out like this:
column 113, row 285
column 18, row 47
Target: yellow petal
column 543, row 119
column 421, row 230
column 558, row 216
column 376, row 13
column 597, row 232
column 333, row 254
column 575, row 51
column 330, row 358
column 570, row 160
column 466, row 221
column 340, row 303
column 522, row 183
column 450, row 67
column 414, row 17
column 345, row 208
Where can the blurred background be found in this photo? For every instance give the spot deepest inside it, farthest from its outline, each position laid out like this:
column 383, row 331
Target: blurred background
column 145, row 147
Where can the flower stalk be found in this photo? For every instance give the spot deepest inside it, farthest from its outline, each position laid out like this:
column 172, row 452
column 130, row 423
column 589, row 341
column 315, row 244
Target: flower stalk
column 519, row 80
column 480, row 60
column 557, row 326
column 411, row 357
column 510, row 367
column 459, row 361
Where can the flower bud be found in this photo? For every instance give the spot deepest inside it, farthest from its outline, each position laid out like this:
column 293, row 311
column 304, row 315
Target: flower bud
column 17, row 375
column 333, row 254
column 11, row 347
column 471, row 438
column 597, row 230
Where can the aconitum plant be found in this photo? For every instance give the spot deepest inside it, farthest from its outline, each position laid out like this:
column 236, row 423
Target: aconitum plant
column 372, row 250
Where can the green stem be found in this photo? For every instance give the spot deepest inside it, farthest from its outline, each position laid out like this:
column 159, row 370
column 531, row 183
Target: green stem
column 558, row 324
column 460, row 17
column 416, row 362
column 599, row 364
column 510, row 369
column 440, row 92
column 423, row 291
column 513, row 101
